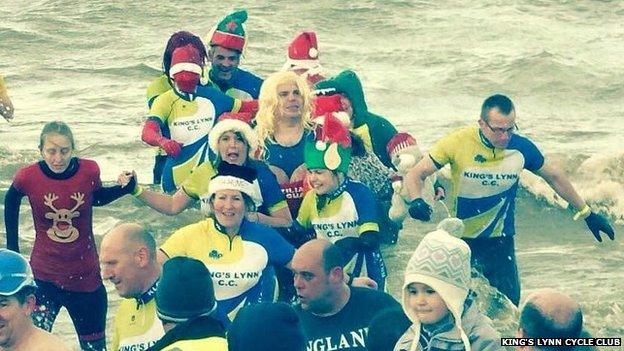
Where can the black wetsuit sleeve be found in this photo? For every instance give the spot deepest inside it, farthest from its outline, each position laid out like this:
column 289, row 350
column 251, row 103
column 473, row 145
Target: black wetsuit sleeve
column 12, row 201
column 106, row 195
column 370, row 240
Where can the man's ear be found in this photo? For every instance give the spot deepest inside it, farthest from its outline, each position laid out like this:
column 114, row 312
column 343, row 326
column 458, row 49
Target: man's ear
column 336, row 275
column 141, row 257
column 30, row 304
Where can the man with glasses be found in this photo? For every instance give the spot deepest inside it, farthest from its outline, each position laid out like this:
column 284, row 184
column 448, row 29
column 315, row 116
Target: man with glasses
column 486, row 162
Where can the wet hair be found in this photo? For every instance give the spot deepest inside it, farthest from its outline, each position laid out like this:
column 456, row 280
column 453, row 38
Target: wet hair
column 23, row 294
column 179, row 39
column 499, row 101
column 332, row 257
column 268, row 103
column 536, row 324
column 56, row 127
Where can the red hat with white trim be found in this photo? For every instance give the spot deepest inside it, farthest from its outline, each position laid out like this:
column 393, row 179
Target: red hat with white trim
column 303, row 53
column 230, row 33
column 186, row 59
column 234, row 122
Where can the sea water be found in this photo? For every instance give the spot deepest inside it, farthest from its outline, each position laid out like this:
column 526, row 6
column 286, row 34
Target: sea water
column 425, row 65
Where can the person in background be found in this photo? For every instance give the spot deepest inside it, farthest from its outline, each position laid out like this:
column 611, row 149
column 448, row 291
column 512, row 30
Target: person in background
column 486, row 161
column 375, row 131
column 179, row 120
column 303, row 58
column 164, row 83
column 231, row 140
column 334, row 315
column 185, row 303
column 548, row 313
column 128, row 260
column 62, row 190
column 283, row 122
column 6, row 106
column 17, row 301
column 227, row 43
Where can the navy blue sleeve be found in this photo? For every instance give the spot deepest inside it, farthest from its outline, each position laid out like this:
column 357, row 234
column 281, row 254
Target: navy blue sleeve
column 279, row 250
column 533, row 157
column 12, row 201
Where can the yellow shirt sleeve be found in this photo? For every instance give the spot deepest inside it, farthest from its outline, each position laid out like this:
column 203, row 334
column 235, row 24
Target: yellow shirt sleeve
column 161, row 108
column 180, row 241
column 157, row 87
column 3, row 89
column 304, row 217
column 197, row 182
column 442, row 152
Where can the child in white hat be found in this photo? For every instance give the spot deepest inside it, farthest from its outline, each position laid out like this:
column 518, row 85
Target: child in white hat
column 436, row 299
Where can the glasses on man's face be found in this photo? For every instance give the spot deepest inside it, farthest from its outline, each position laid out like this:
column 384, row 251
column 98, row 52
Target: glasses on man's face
column 509, row 130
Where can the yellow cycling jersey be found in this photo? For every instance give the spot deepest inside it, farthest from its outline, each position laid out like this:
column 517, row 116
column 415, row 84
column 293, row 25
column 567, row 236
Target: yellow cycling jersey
column 485, row 178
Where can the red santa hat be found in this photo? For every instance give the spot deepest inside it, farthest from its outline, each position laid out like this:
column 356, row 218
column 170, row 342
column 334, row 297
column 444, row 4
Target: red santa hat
column 186, row 59
column 234, row 122
column 303, row 52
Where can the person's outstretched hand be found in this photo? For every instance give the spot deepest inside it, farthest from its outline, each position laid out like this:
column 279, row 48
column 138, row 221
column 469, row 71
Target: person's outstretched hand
column 597, row 223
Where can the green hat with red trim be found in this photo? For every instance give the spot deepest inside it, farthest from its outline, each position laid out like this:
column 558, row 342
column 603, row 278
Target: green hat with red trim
column 230, row 33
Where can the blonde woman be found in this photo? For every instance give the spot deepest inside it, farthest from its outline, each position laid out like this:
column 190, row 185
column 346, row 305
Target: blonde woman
column 283, row 122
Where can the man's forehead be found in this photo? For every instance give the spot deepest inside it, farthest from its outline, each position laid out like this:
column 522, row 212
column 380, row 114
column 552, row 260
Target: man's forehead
column 496, row 116
column 219, row 50
column 305, row 261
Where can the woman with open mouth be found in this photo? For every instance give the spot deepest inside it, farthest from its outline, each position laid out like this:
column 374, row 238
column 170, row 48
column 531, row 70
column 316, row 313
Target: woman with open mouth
column 231, row 140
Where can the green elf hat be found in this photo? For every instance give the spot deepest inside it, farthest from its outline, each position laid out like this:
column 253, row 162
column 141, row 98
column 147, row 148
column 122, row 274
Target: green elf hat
column 329, row 147
column 230, row 33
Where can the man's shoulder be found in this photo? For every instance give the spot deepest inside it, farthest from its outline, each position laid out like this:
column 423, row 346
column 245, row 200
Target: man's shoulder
column 244, row 74
column 367, row 295
column 46, row 341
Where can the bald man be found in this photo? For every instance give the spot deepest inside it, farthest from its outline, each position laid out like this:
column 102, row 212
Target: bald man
column 548, row 313
column 334, row 315
column 128, row 260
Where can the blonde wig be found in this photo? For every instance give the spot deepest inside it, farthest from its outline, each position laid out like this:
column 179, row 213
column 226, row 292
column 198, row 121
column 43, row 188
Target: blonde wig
column 269, row 100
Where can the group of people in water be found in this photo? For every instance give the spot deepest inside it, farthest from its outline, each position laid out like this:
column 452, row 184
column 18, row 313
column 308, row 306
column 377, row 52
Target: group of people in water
column 296, row 179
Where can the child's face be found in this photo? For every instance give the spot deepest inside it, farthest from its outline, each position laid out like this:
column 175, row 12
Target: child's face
column 323, row 181
column 426, row 303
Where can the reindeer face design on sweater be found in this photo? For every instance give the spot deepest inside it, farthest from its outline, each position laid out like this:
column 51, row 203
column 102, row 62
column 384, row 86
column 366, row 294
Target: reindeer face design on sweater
column 63, row 229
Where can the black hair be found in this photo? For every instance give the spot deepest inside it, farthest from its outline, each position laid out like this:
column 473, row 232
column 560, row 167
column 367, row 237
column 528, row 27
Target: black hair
column 21, row 295
column 499, row 101
column 537, row 325
column 332, row 257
